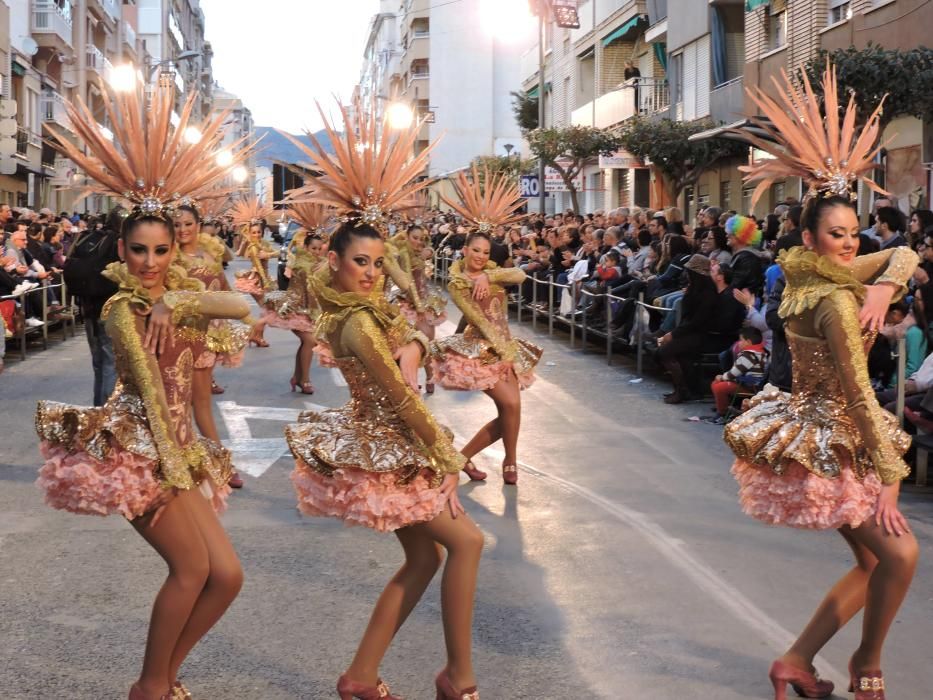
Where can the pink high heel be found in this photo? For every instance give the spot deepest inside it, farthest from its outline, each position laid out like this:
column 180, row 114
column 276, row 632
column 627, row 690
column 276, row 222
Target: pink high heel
column 867, row 685
column 137, row 694
column 472, row 472
column 446, row 690
column 804, row 683
column 348, row 690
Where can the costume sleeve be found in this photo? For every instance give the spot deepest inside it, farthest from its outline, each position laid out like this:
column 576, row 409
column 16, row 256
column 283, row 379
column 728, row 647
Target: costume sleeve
column 894, row 266
column 504, row 276
column 252, row 252
column 404, row 258
column 462, row 296
column 836, row 319
column 186, row 306
column 365, row 339
column 126, row 329
column 394, row 270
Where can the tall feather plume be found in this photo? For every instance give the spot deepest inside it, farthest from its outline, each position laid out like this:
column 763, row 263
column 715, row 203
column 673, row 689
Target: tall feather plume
column 148, row 162
column 372, row 172
column 827, row 155
column 312, row 216
column 250, row 210
column 486, row 203
column 213, row 205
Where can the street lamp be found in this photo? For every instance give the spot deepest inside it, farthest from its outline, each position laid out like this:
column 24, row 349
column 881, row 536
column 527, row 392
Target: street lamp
column 240, row 174
column 193, row 134
column 123, row 78
column 224, row 158
column 400, row 115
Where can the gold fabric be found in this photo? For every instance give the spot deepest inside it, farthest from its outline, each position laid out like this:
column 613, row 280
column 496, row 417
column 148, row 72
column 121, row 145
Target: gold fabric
column 486, row 336
column 297, row 299
column 385, row 427
column 832, row 416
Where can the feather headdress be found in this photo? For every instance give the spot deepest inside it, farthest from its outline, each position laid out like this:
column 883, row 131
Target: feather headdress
column 827, row 155
column 147, row 162
column 372, row 172
column 486, row 203
column 250, row 210
column 313, row 217
column 213, row 206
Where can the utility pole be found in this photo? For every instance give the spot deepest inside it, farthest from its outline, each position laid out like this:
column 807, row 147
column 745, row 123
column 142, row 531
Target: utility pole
column 542, row 18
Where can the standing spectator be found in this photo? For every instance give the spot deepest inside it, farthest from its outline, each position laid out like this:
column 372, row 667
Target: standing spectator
column 887, row 228
column 748, row 370
column 90, row 254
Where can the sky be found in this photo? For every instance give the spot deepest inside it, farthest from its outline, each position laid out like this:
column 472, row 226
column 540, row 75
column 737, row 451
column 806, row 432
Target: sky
column 278, row 56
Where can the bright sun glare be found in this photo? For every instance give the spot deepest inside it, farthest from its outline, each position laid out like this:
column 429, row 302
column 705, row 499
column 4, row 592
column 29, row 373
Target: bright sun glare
column 507, row 20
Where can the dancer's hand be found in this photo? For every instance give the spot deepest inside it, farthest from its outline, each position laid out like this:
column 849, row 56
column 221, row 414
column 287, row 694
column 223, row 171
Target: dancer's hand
column 875, row 308
column 161, row 502
column 480, row 288
column 449, row 489
column 888, row 516
column 409, row 360
column 159, row 329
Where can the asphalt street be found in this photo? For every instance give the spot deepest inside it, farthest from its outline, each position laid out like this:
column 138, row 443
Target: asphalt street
column 620, row 567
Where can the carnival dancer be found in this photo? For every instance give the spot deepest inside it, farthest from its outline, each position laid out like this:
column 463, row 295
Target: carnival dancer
column 827, row 455
column 485, row 357
column 248, row 216
column 202, row 258
column 421, row 305
column 137, row 455
column 381, row 460
column 293, row 308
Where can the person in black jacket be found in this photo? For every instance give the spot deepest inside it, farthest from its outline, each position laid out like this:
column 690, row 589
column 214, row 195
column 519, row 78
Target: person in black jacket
column 748, row 263
column 90, row 254
column 679, row 347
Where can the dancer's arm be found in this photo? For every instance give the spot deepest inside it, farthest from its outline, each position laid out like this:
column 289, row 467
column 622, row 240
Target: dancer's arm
column 395, row 272
column 187, row 306
column 365, row 339
column 504, row 276
column 836, row 319
column 126, row 328
column 893, row 266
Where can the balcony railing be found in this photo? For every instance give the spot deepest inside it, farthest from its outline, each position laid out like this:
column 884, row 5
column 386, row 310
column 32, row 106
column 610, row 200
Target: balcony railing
column 129, row 35
column 49, row 18
column 111, row 8
column 96, row 61
column 53, row 109
column 22, row 141
column 644, row 96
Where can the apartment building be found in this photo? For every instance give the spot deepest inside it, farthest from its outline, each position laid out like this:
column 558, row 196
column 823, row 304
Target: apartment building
column 443, row 61
column 784, row 34
column 52, row 50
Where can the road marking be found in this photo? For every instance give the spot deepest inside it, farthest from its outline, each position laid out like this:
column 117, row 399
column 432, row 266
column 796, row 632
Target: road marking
column 676, row 552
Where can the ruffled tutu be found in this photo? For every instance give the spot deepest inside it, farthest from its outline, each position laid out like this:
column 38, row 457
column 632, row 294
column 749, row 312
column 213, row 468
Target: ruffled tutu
column 471, row 365
column 373, row 500
column 429, row 315
column 293, row 322
column 248, row 283
column 799, row 498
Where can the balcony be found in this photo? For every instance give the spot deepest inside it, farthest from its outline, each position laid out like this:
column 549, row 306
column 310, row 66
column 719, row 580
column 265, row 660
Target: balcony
column 96, row 61
column 105, row 9
column 642, row 96
column 51, row 25
column 53, row 109
column 726, row 102
column 26, row 139
column 419, row 48
column 129, row 36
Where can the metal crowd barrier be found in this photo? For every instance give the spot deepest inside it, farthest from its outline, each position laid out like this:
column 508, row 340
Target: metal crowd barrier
column 64, row 319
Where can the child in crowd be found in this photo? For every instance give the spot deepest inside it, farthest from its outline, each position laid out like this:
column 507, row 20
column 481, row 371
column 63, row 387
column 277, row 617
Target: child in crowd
column 748, row 370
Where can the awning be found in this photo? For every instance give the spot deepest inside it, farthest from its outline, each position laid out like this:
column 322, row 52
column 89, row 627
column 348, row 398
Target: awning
column 751, row 5
column 534, row 91
column 622, row 31
column 724, row 131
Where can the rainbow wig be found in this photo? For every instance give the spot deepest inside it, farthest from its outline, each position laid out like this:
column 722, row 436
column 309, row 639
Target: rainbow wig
column 744, row 229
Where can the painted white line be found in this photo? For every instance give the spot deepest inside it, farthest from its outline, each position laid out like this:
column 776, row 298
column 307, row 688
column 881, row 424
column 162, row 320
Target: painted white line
column 704, row 577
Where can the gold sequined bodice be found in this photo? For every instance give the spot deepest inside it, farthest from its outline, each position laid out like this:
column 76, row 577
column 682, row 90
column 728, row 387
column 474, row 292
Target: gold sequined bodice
column 493, row 308
column 366, row 395
column 815, row 376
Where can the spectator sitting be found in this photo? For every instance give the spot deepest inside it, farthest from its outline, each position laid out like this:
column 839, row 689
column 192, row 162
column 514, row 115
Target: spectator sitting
column 747, row 262
column 715, row 245
column 729, row 314
column 887, row 228
column 748, row 370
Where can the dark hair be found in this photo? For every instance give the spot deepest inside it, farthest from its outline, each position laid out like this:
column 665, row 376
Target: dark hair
column 794, row 215
column 920, row 315
column 344, row 236
column 661, row 221
column 713, row 213
column 720, row 238
column 772, row 227
column 133, row 221
column 677, row 227
column 191, row 210
column 34, row 230
column 312, row 237
column 614, row 254
column 49, row 233
column 643, row 237
column 725, row 269
column 751, row 334
column 889, row 216
column 678, row 245
column 477, row 234
column 816, row 208
column 925, row 217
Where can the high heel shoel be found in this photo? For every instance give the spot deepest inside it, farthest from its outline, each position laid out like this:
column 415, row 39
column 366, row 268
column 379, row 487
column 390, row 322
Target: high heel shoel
column 348, row 690
column 804, row 683
column 510, row 474
column 180, row 692
column 446, row 690
column 472, row 472
column 867, row 685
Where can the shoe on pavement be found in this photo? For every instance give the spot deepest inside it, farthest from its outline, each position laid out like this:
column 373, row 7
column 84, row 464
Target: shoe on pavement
column 33, row 322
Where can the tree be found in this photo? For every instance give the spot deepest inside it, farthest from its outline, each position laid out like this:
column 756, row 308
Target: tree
column 512, row 166
column 525, row 109
column 568, row 149
column 665, row 143
column 906, row 77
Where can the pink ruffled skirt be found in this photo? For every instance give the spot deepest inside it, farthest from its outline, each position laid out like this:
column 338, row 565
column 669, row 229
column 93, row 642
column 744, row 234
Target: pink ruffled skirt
column 800, row 498
column 248, row 284
column 428, row 316
column 292, row 322
column 370, row 499
column 460, row 373
column 123, row 483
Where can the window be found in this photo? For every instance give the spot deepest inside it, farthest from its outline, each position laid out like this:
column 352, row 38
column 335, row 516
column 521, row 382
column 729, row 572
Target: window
column 778, row 193
column 725, row 194
column 747, row 200
column 677, row 78
column 839, row 10
column 703, row 196
column 777, row 25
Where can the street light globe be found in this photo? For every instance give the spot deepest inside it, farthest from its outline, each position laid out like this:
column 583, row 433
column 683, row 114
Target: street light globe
column 224, row 158
column 399, row 115
column 240, row 173
column 192, row 134
column 123, row 78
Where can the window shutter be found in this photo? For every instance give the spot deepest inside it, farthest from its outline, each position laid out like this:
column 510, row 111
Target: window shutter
column 703, row 79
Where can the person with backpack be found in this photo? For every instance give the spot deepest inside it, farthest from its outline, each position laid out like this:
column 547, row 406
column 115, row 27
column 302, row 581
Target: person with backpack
column 91, row 252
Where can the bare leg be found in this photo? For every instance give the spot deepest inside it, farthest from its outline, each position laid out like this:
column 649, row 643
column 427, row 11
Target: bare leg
column 428, row 331
column 203, row 403
column 224, row 580
column 178, row 541
column 303, row 357
column 398, row 599
column 508, row 398
column 839, row 606
column 484, row 437
column 897, row 561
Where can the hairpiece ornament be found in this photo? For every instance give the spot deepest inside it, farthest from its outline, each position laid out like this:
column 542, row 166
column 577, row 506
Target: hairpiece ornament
column 488, row 202
column 829, row 156
column 371, row 173
column 147, row 162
